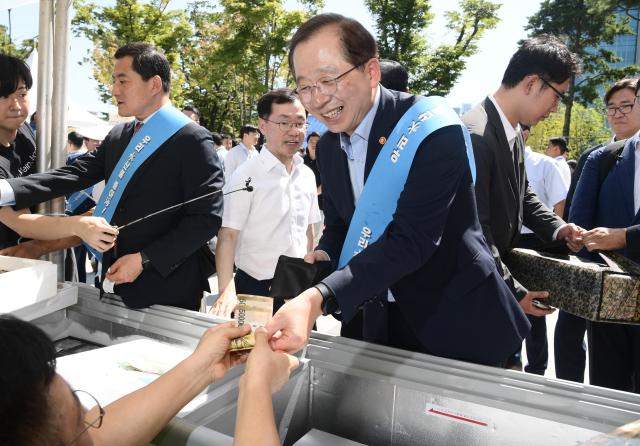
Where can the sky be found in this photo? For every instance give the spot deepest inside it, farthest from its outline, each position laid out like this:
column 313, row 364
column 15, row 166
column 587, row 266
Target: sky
column 482, row 74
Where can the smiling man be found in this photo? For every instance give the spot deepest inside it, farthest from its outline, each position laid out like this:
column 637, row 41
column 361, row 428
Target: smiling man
column 401, row 226
column 160, row 159
column 277, row 217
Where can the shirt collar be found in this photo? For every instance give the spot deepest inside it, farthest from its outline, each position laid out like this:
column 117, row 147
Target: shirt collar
column 509, row 130
column 145, row 120
column 364, row 128
column 270, row 161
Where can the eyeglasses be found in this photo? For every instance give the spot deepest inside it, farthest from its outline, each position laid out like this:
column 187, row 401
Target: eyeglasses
column 558, row 93
column 86, row 397
column 325, row 85
column 286, row 126
column 624, row 109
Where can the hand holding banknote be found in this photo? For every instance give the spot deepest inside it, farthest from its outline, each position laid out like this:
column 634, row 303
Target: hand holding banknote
column 212, row 355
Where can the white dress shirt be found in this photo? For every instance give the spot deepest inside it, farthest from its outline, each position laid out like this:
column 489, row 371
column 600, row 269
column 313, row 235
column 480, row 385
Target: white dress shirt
column 235, row 157
column 273, row 219
column 564, row 167
column 545, row 178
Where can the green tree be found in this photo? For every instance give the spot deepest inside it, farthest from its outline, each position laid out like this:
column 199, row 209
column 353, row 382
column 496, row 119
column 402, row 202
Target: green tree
column 237, row 54
column 109, row 27
column 583, row 25
column 588, row 129
column 7, row 46
column 402, row 24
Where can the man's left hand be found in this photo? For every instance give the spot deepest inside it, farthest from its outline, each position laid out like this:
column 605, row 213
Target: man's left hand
column 32, row 249
column 605, row 239
column 126, row 269
column 572, row 235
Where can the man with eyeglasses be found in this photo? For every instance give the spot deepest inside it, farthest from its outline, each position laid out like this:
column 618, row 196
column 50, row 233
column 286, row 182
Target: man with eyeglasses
column 412, row 270
column 623, row 116
column 277, row 217
column 38, row 407
column 608, row 204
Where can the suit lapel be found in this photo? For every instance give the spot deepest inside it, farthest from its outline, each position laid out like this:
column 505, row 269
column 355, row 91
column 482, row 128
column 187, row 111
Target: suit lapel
column 503, row 153
column 383, row 124
column 627, row 176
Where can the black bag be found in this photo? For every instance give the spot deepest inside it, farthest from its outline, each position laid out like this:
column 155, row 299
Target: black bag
column 293, row 275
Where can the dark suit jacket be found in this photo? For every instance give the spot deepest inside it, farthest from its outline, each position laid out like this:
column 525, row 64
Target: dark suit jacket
column 611, row 205
column 184, row 167
column 576, row 176
column 505, row 200
column 432, row 255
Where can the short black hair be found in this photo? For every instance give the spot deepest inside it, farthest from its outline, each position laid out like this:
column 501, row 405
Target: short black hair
column 225, row 136
column 12, row 71
column 544, row 55
column 312, row 134
column 217, row 139
column 394, row 75
column 358, row 45
column 277, row 96
column 28, row 363
column 561, row 142
column 248, row 128
column 630, row 83
column 192, row 109
column 148, row 61
column 76, row 139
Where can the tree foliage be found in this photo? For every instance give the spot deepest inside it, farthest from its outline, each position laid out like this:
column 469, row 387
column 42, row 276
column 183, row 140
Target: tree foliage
column 588, row 128
column 402, row 25
column 224, row 55
column 584, row 26
column 237, row 54
column 109, row 27
column 7, row 46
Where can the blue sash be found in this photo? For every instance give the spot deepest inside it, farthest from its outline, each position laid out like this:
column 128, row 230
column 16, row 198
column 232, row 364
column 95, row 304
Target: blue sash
column 387, row 178
column 164, row 124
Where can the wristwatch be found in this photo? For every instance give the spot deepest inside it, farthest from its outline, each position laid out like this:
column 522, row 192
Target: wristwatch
column 329, row 302
column 146, row 263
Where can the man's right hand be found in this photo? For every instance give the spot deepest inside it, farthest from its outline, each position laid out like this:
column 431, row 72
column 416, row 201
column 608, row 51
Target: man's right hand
column 290, row 327
column 529, row 308
column 316, row 256
column 225, row 304
column 32, row 249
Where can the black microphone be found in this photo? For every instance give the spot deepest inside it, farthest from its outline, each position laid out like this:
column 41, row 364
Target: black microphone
column 247, row 187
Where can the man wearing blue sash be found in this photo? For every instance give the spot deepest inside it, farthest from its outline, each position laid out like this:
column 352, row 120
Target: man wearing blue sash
column 160, row 159
column 402, row 227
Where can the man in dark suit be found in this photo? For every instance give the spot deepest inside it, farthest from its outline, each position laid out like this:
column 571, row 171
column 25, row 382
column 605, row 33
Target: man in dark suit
column 159, row 261
column 535, row 80
column 612, row 207
column 623, row 116
column 428, row 283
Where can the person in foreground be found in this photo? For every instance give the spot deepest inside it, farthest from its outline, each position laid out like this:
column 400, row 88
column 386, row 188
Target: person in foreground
column 423, row 278
column 38, row 407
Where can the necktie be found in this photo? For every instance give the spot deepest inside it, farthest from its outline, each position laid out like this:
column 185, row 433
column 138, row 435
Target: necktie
column 137, row 126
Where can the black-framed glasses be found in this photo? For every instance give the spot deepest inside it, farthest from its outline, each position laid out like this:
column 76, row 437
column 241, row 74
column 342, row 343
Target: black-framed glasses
column 88, row 400
column 624, row 109
column 558, row 93
column 286, row 126
column 326, row 85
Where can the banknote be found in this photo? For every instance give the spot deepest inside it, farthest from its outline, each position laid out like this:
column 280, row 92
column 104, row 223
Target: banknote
column 254, row 311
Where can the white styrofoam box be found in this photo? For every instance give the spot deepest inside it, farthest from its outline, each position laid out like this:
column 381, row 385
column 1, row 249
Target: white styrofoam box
column 25, row 282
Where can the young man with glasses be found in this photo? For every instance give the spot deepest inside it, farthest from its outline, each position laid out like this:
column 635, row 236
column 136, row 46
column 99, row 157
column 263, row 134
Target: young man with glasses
column 38, row 407
column 416, row 274
column 277, row 217
column 534, row 83
column 608, row 204
column 623, row 116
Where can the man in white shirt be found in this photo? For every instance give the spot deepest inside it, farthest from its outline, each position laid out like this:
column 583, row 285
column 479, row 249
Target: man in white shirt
column 277, row 217
column 243, row 151
column 558, row 150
